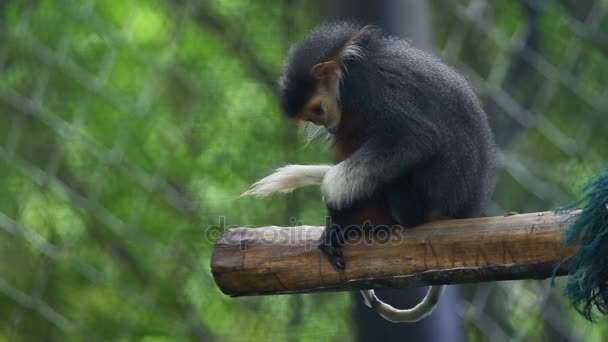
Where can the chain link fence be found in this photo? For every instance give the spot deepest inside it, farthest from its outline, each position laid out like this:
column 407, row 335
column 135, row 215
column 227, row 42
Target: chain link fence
column 544, row 88
column 125, row 127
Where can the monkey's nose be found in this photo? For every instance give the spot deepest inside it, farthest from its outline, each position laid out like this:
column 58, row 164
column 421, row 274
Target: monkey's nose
column 318, row 119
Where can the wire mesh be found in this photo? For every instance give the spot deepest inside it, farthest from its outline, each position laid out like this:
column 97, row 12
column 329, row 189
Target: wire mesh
column 113, row 116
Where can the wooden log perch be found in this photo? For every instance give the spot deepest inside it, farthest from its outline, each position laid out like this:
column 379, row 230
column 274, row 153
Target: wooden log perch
column 282, row 260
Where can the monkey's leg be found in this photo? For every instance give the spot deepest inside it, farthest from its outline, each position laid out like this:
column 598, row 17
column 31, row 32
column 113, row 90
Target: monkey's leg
column 406, row 206
column 332, row 239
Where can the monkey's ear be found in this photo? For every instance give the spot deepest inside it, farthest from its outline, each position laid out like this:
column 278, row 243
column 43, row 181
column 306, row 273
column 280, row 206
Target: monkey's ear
column 325, row 70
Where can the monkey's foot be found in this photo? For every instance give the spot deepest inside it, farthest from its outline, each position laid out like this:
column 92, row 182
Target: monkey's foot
column 334, row 254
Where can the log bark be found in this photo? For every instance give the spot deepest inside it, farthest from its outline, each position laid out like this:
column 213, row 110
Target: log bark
column 283, row 260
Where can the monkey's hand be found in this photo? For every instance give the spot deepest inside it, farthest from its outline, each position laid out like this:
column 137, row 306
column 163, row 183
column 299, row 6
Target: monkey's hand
column 287, row 179
column 343, row 184
column 333, row 237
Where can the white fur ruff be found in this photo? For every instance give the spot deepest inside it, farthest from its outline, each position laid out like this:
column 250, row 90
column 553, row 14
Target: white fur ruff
column 345, row 183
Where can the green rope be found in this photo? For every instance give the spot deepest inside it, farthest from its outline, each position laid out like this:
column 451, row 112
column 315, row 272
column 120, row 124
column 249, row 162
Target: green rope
column 588, row 281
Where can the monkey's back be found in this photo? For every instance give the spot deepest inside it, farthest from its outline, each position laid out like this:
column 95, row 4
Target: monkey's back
column 457, row 181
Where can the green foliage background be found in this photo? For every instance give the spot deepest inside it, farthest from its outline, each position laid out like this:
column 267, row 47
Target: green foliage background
column 128, row 128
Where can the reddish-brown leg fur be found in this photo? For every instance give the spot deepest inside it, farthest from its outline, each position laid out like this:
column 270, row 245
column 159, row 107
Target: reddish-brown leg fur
column 365, row 214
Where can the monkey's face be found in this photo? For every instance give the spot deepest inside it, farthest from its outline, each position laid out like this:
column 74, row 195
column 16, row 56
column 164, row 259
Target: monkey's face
column 323, row 107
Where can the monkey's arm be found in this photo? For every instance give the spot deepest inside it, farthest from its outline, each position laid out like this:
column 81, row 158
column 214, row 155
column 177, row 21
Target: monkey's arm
column 393, row 145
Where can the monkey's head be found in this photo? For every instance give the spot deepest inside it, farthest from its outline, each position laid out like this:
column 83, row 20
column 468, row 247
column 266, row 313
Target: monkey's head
column 309, row 87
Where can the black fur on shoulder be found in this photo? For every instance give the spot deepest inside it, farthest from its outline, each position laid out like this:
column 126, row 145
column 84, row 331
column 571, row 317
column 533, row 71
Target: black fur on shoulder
column 428, row 129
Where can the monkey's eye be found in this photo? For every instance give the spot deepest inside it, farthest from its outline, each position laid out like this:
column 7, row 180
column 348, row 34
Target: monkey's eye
column 317, row 110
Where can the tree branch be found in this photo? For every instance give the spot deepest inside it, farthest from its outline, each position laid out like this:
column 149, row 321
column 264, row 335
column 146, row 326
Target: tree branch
column 282, row 260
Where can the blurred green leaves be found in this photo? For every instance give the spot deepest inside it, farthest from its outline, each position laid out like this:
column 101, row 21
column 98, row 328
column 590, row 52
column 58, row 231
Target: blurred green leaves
column 128, row 128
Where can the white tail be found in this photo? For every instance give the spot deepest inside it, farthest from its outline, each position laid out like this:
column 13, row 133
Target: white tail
column 287, row 179
column 418, row 312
